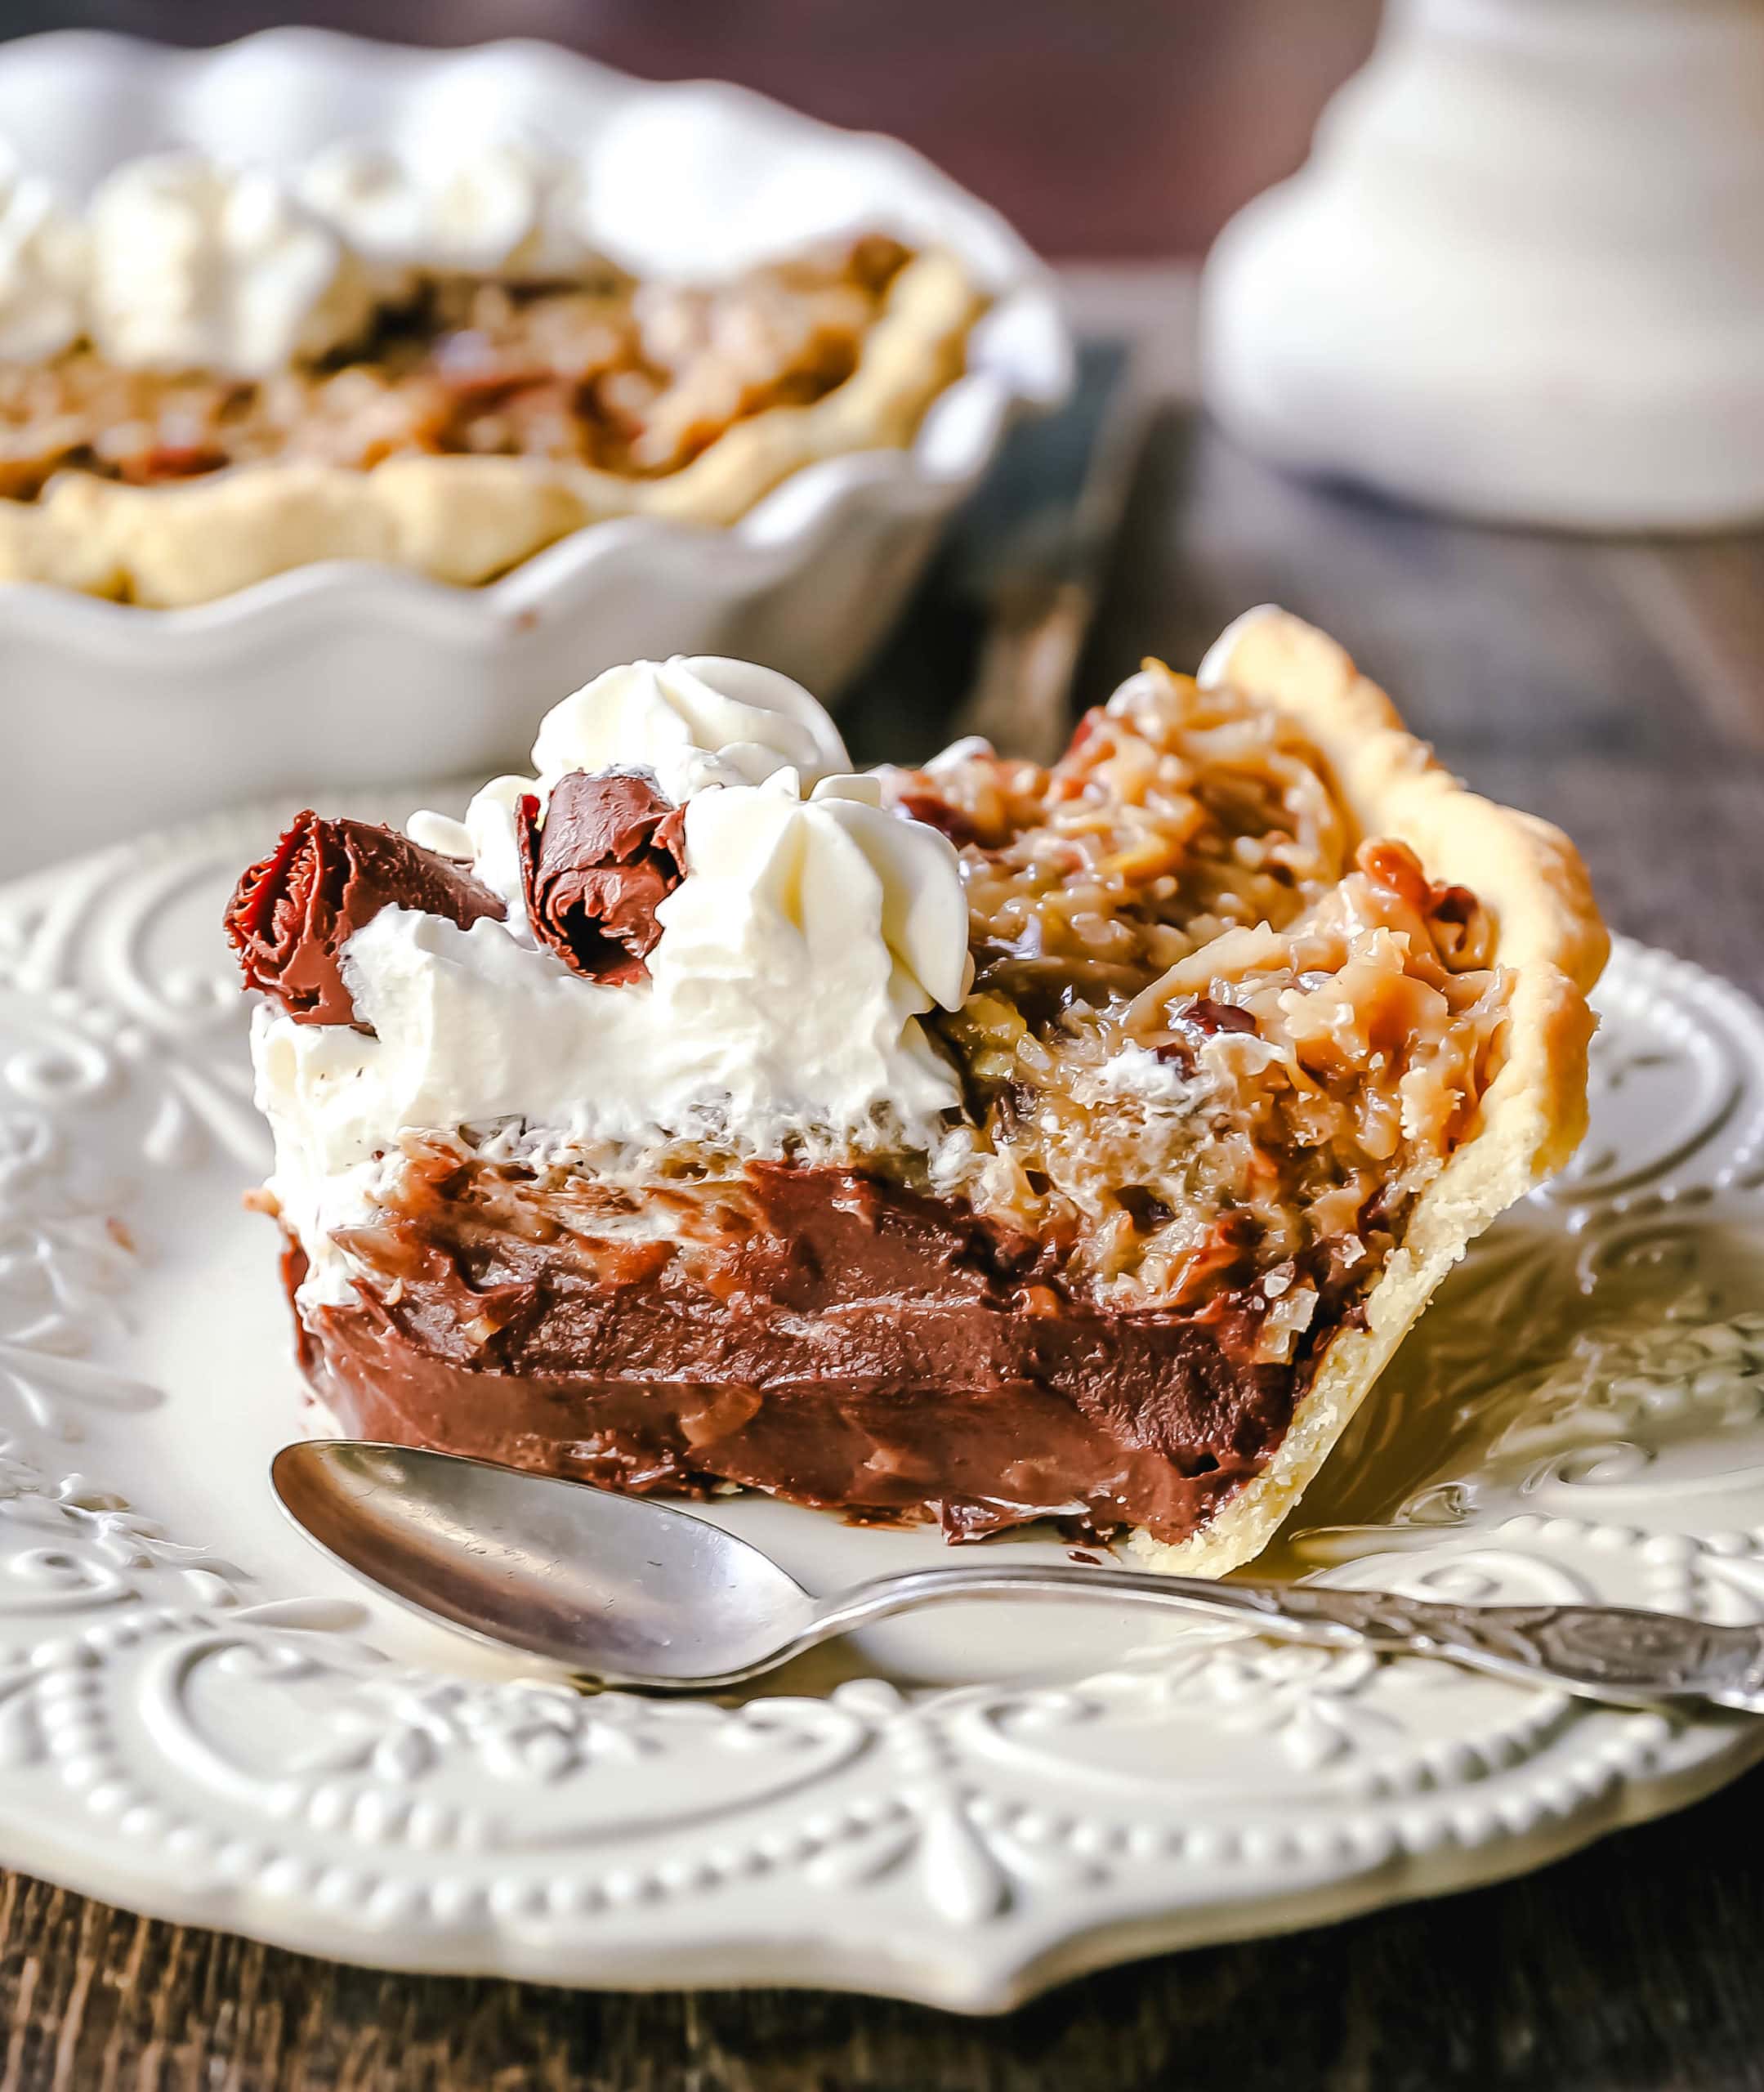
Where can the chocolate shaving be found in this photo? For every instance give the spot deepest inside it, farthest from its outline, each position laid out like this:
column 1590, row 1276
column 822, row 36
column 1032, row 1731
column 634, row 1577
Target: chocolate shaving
column 608, row 853
column 291, row 915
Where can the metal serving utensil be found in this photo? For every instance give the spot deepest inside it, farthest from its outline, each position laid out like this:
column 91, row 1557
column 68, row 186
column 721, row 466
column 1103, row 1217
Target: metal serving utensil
column 633, row 1592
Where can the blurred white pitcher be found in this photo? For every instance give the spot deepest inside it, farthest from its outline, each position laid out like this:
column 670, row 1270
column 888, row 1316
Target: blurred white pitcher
column 1522, row 273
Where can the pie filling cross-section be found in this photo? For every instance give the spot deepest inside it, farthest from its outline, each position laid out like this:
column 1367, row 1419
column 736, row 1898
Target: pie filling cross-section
column 978, row 1143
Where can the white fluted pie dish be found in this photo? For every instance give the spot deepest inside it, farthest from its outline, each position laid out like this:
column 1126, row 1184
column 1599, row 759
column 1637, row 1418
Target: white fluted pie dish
column 345, row 671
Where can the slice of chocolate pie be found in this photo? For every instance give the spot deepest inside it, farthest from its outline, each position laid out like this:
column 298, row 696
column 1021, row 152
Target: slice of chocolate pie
column 978, row 1143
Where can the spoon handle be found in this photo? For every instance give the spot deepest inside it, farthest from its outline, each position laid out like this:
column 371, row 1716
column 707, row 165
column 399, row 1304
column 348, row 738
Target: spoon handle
column 1601, row 1652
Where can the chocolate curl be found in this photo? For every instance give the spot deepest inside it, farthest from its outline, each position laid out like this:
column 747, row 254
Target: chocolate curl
column 608, row 853
column 291, row 915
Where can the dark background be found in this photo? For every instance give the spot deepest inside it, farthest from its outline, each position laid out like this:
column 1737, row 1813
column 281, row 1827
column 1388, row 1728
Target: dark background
column 1103, row 127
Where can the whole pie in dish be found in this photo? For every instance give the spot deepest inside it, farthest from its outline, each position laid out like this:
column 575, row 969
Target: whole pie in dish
column 208, row 377
column 977, row 1144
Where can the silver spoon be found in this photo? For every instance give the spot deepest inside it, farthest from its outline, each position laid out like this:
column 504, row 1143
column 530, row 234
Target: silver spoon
column 633, row 1592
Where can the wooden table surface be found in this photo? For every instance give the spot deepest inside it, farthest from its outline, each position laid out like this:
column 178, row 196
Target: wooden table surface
column 1617, row 688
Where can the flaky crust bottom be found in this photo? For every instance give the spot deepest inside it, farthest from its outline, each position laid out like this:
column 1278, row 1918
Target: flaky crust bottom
column 1548, row 935
column 466, row 519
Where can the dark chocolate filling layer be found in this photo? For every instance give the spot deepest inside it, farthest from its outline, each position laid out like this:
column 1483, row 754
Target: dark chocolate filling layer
column 820, row 1335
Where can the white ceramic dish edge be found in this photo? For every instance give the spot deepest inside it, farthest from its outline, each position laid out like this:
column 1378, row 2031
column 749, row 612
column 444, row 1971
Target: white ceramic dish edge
column 344, row 672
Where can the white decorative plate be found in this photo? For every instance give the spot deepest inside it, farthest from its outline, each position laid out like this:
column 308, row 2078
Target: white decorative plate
column 200, row 1717
column 348, row 672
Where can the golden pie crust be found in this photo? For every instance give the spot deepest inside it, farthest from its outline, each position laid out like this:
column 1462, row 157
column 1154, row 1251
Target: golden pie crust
column 1548, row 935
column 466, row 519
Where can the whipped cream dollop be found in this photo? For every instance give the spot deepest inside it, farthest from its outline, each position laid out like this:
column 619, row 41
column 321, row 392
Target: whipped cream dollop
column 43, row 260
column 694, row 721
column 502, row 206
column 691, row 721
column 198, row 265
column 812, row 931
column 182, row 262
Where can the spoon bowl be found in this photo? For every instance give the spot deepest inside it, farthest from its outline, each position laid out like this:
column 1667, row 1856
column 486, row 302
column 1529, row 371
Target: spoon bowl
column 616, row 1587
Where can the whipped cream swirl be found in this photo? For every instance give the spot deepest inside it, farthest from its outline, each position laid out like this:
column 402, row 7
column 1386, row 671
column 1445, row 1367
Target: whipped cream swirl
column 691, row 721
column 181, row 262
column 502, row 207
column 198, row 266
